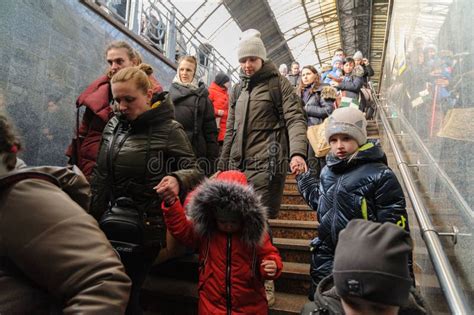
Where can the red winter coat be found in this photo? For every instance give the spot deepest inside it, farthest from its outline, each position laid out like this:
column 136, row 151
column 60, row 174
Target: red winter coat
column 227, row 261
column 96, row 98
column 220, row 99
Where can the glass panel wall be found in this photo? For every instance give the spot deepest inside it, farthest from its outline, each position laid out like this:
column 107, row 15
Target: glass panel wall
column 426, row 88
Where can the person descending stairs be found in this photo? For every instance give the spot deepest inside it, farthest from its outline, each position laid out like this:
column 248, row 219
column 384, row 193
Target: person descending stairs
column 171, row 288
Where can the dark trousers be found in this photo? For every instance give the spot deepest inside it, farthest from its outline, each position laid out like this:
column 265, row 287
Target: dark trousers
column 137, row 267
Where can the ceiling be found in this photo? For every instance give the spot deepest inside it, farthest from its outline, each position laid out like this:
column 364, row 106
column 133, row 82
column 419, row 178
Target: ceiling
column 308, row 31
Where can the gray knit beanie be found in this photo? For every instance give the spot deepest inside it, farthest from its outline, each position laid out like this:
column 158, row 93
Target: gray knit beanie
column 358, row 55
column 251, row 45
column 371, row 262
column 349, row 121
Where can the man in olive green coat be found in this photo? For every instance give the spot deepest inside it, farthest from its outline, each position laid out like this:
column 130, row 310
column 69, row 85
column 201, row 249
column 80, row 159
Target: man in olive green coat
column 257, row 140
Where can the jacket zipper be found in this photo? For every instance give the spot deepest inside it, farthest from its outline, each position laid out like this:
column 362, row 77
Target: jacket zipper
column 333, row 230
column 111, row 155
column 227, row 276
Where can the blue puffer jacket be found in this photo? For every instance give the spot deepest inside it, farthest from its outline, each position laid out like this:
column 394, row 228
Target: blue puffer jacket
column 361, row 188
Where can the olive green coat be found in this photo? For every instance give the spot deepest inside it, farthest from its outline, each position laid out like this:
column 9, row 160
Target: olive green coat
column 255, row 134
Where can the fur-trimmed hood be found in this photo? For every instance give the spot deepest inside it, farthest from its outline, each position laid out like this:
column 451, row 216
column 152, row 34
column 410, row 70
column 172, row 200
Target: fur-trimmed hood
column 328, row 92
column 216, row 194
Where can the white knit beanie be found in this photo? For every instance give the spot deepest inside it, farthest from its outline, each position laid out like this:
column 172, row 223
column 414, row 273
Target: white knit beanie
column 358, row 55
column 251, row 45
column 349, row 121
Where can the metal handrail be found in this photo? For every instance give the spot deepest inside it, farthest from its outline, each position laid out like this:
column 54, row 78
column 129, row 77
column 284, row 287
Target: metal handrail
column 449, row 284
column 468, row 212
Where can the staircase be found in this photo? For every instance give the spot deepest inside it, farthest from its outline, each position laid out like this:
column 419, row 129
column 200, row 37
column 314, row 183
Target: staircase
column 171, row 288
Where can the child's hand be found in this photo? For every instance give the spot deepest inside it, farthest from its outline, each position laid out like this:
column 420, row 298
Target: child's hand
column 168, row 189
column 270, row 267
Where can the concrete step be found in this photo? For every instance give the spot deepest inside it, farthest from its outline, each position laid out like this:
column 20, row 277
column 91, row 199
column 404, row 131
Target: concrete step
column 297, row 212
column 293, row 229
column 292, row 197
column 290, row 184
column 293, row 250
column 168, row 296
column 294, row 279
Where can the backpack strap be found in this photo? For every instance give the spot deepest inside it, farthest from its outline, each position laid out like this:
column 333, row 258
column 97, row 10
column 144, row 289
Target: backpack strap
column 17, row 176
column 236, row 91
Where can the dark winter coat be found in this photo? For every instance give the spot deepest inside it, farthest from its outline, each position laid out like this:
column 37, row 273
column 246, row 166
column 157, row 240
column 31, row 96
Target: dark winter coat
column 220, row 100
column 319, row 105
column 257, row 141
column 125, row 146
column 230, row 278
column 368, row 72
column 352, row 83
column 328, row 302
column 54, row 259
column 294, row 79
column 195, row 112
column 363, row 187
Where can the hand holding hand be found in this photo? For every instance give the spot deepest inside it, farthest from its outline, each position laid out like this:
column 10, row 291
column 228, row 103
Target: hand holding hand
column 168, row 189
column 298, row 165
column 270, row 267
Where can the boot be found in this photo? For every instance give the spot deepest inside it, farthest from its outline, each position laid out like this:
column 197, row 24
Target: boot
column 270, row 292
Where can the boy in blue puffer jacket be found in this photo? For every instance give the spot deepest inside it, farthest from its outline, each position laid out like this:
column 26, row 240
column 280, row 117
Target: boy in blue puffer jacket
column 356, row 183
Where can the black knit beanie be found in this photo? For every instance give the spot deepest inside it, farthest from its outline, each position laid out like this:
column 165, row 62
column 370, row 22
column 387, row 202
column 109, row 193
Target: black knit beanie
column 221, row 78
column 371, row 262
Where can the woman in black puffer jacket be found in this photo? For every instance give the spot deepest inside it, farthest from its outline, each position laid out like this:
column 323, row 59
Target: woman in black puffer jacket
column 355, row 184
column 194, row 110
column 319, row 104
column 141, row 146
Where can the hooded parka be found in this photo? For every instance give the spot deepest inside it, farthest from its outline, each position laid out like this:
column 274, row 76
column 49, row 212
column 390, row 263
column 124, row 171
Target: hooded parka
column 142, row 152
column 230, row 276
column 195, row 112
column 362, row 187
column 54, row 259
column 257, row 141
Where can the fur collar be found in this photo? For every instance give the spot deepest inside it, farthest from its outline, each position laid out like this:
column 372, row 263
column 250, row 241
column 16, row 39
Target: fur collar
column 234, row 197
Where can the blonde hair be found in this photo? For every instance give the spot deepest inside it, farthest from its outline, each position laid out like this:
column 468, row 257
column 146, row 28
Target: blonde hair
column 139, row 75
column 131, row 53
column 190, row 59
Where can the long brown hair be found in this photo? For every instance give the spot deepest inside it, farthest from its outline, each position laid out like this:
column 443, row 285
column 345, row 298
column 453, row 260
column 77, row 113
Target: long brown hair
column 315, row 84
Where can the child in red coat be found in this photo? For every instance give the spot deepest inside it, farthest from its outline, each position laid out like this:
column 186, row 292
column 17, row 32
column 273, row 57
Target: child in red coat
column 227, row 225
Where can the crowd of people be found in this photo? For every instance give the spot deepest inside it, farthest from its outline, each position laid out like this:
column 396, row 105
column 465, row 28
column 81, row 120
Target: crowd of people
column 203, row 169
